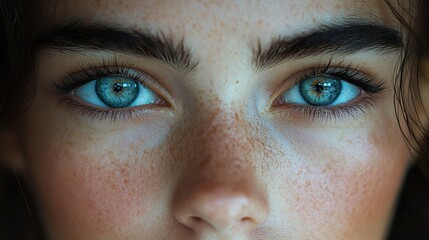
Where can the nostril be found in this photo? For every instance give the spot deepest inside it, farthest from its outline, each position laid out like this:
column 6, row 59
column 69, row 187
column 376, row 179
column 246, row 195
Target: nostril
column 198, row 223
column 196, row 219
column 247, row 220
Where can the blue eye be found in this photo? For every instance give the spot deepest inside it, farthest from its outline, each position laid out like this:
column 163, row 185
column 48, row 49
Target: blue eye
column 116, row 92
column 321, row 91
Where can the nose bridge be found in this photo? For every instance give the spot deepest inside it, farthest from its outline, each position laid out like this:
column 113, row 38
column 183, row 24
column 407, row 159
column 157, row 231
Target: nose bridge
column 222, row 140
column 219, row 190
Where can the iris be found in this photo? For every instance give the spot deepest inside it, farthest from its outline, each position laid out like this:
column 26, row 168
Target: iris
column 320, row 91
column 117, row 92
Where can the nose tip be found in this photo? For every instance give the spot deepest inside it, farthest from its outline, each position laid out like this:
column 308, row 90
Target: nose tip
column 220, row 211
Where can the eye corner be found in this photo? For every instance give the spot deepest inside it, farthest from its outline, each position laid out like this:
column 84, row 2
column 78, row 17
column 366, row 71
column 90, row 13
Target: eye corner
column 277, row 102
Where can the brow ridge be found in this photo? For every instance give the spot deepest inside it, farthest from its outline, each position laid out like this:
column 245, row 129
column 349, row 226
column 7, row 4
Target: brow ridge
column 78, row 36
column 344, row 38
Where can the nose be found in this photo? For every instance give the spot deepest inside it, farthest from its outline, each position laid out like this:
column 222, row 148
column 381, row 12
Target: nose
column 219, row 207
column 220, row 192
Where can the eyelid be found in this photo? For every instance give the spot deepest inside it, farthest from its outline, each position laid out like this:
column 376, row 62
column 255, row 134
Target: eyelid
column 369, row 83
column 371, row 86
column 88, row 72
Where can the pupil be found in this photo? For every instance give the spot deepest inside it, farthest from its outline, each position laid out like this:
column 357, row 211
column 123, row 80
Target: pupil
column 321, row 87
column 117, row 87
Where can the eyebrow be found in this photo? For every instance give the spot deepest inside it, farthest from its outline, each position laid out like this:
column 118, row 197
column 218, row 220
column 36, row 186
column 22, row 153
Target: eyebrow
column 78, row 36
column 346, row 38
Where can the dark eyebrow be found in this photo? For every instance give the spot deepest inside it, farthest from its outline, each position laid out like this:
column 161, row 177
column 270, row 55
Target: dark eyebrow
column 345, row 38
column 77, row 36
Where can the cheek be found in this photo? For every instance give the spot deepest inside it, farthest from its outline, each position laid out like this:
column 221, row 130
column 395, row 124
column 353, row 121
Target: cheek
column 94, row 177
column 344, row 181
column 97, row 190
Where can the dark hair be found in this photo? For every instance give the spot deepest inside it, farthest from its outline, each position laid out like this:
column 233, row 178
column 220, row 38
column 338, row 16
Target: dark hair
column 16, row 52
column 414, row 18
column 412, row 214
column 17, row 89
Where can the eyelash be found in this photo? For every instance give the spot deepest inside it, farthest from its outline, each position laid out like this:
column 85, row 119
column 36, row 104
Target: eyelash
column 354, row 75
column 86, row 73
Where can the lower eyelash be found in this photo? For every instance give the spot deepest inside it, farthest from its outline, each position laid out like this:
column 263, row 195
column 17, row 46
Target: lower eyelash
column 335, row 113
column 106, row 113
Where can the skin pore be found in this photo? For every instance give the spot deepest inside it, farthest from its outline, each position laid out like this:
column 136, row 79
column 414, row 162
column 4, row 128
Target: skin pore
column 218, row 156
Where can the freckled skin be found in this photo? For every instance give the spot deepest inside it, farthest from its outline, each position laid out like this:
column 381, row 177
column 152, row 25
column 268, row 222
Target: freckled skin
column 219, row 163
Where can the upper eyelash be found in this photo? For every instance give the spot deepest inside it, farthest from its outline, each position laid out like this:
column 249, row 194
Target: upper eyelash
column 352, row 75
column 90, row 72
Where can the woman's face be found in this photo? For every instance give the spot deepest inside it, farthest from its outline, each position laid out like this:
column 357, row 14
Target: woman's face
column 214, row 120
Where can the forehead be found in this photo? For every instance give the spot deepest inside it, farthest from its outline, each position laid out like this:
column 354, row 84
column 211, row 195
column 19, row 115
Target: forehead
column 238, row 16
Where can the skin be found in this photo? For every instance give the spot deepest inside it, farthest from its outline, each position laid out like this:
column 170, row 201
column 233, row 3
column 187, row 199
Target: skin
column 220, row 162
